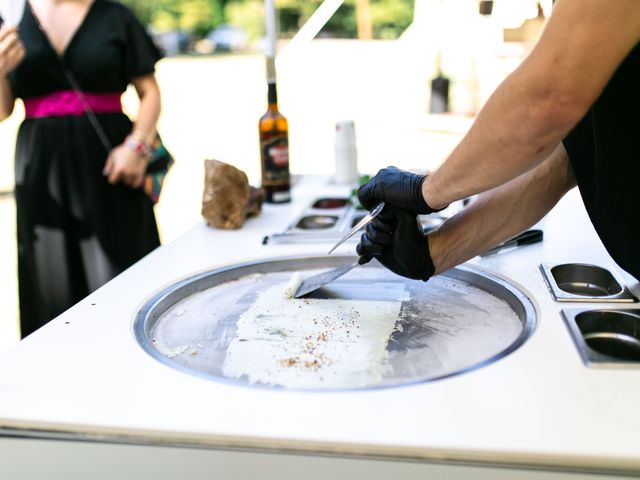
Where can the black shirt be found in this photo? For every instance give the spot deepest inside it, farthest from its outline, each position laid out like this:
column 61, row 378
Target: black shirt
column 107, row 51
column 604, row 150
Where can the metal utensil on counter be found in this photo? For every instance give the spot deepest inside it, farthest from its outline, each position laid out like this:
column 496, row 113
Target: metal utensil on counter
column 314, row 282
column 525, row 238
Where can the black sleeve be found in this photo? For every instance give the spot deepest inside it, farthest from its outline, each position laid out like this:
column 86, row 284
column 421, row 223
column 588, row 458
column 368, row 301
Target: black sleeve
column 141, row 54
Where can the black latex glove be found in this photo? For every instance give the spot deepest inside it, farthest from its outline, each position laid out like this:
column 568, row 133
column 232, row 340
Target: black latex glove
column 396, row 187
column 396, row 239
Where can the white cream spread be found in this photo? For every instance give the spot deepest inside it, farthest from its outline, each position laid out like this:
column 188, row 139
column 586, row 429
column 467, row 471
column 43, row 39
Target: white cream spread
column 292, row 286
column 312, row 343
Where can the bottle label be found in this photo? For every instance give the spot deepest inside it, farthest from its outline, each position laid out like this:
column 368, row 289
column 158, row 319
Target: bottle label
column 281, row 197
column 275, row 160
column 279, row 155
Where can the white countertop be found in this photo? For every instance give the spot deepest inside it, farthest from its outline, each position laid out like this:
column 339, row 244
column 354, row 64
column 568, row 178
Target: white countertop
column 84, row 373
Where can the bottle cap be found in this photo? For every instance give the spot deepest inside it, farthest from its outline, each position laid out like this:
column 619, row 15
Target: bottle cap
column 345, row 131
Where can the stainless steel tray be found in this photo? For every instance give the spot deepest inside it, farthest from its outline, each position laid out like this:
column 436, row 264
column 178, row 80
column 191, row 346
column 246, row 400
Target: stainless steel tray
column 605, row 337
column 581, row 282
column 456, row 322
column 328, row 223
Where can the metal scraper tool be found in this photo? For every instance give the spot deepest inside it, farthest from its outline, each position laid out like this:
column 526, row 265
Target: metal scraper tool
column 316, row 281
column 321, row 279
column 361, row 224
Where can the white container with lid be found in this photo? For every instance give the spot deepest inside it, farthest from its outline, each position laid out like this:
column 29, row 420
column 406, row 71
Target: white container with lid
column 346, row 153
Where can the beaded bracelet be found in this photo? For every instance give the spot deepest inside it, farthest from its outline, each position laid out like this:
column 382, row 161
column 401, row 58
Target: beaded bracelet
column 139, row 147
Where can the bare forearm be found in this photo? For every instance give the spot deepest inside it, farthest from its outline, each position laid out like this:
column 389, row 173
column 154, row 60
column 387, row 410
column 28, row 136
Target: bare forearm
column 149, row 111
column 507, row 139
column 537, row 105
column 7, row 100
column 502, row 212
column 127, row 163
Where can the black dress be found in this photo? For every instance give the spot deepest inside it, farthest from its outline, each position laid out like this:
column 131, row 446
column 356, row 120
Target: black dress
column 76, row 231
column 604, row 149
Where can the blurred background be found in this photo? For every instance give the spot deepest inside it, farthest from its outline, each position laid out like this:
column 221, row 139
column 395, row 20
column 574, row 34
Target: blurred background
column 411, row 74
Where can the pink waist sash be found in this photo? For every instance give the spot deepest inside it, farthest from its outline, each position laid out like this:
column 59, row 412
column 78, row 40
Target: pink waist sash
column 67, row 103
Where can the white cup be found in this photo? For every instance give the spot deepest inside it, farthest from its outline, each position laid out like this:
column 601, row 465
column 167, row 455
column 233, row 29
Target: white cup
column 346, row 153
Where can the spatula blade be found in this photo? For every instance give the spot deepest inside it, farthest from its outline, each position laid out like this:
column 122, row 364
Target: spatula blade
column 321, row 279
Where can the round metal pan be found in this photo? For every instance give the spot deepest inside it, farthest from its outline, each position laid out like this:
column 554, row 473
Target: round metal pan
column 456, row 322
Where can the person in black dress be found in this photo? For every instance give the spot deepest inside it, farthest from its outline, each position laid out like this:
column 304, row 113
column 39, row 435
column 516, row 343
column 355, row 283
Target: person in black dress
column 82, row 215
column 567, row 116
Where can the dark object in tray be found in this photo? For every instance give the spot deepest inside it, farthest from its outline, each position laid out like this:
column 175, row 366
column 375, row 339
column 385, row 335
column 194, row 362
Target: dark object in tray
column 317, row 222
column 330, row 203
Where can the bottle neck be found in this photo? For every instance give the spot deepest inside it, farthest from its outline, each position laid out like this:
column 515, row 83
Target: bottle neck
column 272, row 96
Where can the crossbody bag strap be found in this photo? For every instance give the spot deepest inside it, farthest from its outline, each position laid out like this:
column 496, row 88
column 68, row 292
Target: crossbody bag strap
column 91, row 115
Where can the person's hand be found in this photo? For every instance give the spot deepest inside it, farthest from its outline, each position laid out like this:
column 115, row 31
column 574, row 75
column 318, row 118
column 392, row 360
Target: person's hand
column 395, row 237
column 396, row 187
column 125, row 165
column 12, row 50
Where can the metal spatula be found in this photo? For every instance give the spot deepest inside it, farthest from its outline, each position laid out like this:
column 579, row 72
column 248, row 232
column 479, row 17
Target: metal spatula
column 321, row 279
column 316, row 281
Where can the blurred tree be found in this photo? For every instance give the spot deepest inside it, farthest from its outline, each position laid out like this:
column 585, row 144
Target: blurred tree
column 142, row 8
column 163, row 21
column 248, row 15
column 389, row 17
column 300, row 10
column 292, row 14
column 200, row 16
column 363, row 19
column 195, row 16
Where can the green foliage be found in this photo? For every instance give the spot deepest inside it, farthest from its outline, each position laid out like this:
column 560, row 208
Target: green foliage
column 200, row 16
column 292, row 14
column 249, row 15
column 343, row 22
column 302, row 9
column 163, row 21
column 390, row 17
column 196, row 16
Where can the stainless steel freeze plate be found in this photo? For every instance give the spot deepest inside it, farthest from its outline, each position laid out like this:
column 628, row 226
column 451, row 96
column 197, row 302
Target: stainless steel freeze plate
column 454, row 323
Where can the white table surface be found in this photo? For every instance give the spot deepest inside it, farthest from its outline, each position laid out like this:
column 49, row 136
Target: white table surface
column 85, row 375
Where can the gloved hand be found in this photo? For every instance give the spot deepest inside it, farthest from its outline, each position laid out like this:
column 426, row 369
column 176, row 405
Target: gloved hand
column 396, row 239
column 396, row 187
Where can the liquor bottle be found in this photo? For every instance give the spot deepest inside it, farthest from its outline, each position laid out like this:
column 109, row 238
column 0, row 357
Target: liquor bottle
column 274, row 151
